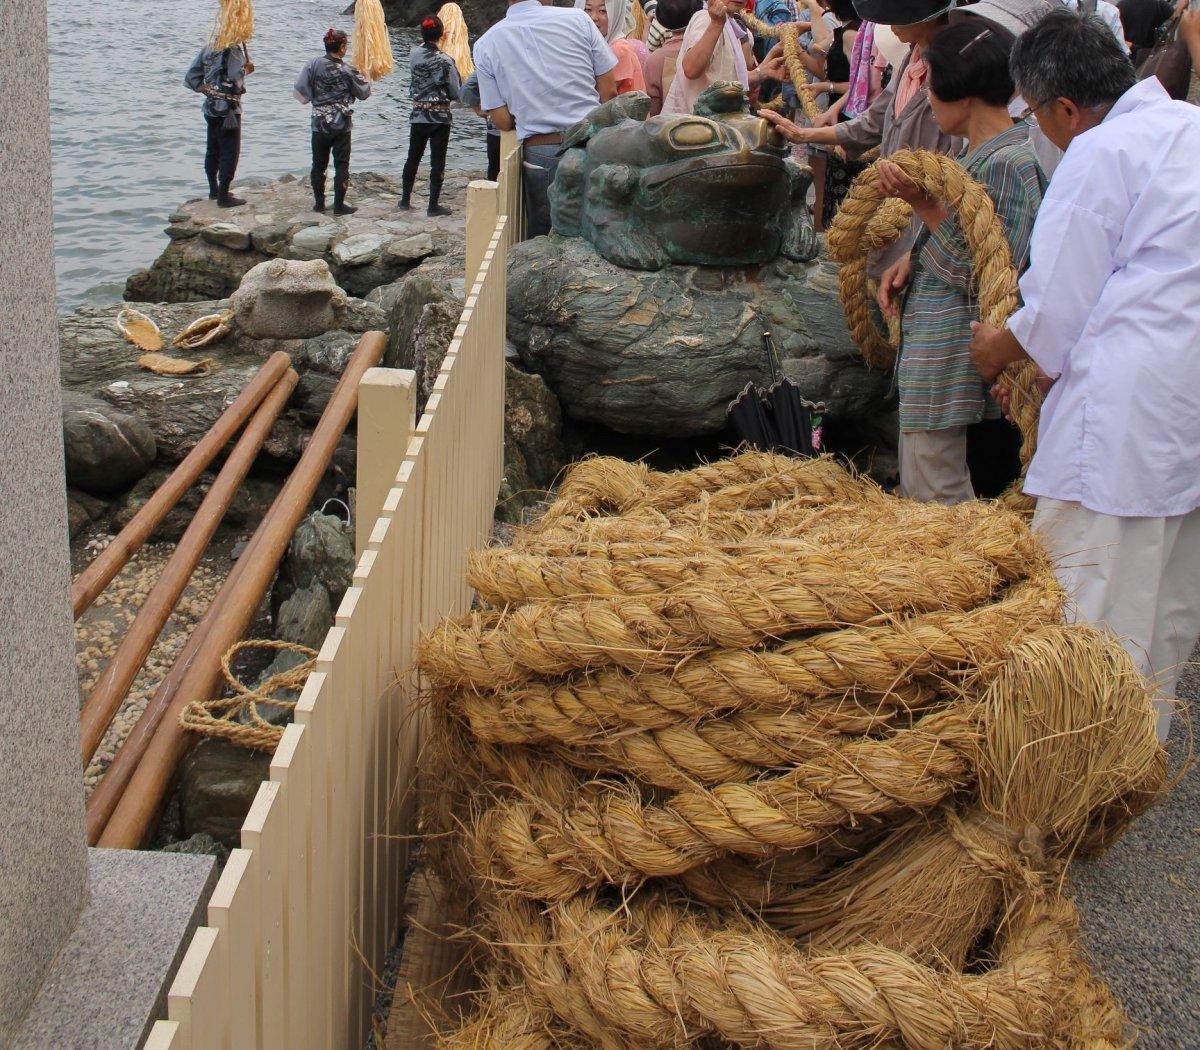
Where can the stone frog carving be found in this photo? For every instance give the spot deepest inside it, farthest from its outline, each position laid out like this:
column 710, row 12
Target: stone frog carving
column 713, row 188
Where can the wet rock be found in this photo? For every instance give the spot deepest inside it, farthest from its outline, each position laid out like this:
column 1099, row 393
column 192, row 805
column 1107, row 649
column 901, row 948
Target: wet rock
column 247, row 508
column 199, row 845
column 359, row 250
column 322, row 553
column 106, row 449
column 431, row 338
column 218, row 783
column 665, row 352
column 533, row 448
column 82, row 510
column 227, row 235
column 434, row 281
column 288, row 299
column 478, row 14
column 209, row 254
column 305, row 618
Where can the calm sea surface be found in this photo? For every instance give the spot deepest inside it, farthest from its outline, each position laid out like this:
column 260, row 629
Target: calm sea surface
column 128, row 138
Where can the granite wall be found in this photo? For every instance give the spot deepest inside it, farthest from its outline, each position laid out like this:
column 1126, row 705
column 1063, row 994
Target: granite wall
column 43, row 860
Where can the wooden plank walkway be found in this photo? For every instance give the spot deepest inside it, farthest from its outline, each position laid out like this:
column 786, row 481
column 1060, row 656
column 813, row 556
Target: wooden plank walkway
column 437, row 968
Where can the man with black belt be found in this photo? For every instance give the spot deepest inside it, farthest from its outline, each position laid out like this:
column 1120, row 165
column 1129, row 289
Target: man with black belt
column 542, row 69
column 331, row 86
column 220, row 76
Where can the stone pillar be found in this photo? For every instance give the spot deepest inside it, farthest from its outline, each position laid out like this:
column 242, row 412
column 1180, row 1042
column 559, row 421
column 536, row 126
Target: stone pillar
column 43, row 857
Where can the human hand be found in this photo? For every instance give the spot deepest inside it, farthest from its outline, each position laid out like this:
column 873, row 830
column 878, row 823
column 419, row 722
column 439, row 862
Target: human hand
column 248, row 68
column 894, row 183
column 718, row 10
column 788, row 129
column 827, row 119
column 1189, row 26
column 894, row 281
column 773, row 67
column 986, row 350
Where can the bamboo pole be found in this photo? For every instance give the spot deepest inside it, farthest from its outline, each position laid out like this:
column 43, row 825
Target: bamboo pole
column 112, row 559
column 112, row 688
column 139, row 806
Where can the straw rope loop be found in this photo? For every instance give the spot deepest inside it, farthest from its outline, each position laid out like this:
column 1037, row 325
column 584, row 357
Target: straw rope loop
column 856, row 231
column 789, row 35
column 222, row 717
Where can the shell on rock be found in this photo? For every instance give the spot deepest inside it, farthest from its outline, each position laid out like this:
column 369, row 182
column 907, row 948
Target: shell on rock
column 163, row 365
column 203, row 330
column 139, row 329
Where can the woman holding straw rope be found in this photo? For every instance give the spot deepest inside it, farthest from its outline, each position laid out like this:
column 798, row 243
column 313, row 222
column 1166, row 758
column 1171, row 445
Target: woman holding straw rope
column 901, row 117
column 219, row 74
column 941, row 392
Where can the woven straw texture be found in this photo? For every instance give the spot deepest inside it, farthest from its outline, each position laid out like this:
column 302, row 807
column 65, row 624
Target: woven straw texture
column 757, row 755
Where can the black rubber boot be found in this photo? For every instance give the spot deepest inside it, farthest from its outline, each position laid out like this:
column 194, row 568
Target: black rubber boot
column 340, row 207
column 318, row 188
column 225, row 199
column 213, row 192
column 435, row 193
column 406, row 192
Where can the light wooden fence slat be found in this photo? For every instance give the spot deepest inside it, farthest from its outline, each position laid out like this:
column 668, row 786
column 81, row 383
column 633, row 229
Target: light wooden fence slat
column 164, row 1036
column 196, row 1001
column 290, row 768
column 233, row 912
column 264, row 833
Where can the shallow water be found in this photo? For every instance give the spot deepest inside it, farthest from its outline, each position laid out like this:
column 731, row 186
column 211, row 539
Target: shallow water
column 128, row 137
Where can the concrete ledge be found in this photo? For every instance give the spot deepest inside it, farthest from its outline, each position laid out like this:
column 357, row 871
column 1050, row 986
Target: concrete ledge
column 109, row 982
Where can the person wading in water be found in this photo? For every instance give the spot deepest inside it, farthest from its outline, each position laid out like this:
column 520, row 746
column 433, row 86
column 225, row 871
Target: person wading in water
column 331, row 86
column 434, row 84
column 220, row 76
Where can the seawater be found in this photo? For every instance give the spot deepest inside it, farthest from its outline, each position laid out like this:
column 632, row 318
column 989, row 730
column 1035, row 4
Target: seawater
column 128, row 138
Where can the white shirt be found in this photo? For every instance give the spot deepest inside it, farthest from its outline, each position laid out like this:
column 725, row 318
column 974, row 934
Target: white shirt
column 542, row 63
column 1112, row 309
column 1111, row 16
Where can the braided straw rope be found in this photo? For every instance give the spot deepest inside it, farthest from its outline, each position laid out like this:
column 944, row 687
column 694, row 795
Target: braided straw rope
column 789, row 34
column 220, row 718
column 654, row 975
column 855, row 231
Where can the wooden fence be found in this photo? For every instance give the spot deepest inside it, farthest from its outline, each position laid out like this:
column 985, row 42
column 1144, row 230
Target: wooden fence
column 304, row 912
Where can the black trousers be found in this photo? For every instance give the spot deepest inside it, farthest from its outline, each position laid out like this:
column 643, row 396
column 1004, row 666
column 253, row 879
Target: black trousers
column 438, row 137
column 224, row 148
column 493, row 156
column 336, row 144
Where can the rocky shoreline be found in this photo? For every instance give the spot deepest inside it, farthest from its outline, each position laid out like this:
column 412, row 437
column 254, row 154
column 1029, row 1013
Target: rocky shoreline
column 293, row 280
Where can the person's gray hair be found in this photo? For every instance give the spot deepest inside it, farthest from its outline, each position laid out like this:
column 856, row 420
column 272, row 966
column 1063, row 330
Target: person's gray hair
column 1067, row 55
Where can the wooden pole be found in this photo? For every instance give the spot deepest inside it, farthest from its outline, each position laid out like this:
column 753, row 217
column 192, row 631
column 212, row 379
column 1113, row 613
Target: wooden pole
column 112, row 688
column 387, row 411
column 112, row 559
column 134, row 815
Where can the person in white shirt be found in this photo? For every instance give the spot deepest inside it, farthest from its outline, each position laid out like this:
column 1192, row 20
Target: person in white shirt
column 1111, row 316
column 542, row 69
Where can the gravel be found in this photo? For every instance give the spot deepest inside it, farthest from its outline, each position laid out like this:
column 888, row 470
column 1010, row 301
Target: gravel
column 1141, row 900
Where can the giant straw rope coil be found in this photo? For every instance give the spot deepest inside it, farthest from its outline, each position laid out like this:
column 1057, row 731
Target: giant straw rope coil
column 758, row 755
column 866, row 221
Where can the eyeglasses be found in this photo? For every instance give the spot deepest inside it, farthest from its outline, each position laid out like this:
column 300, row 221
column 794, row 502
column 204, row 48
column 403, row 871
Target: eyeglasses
column 1029, row 111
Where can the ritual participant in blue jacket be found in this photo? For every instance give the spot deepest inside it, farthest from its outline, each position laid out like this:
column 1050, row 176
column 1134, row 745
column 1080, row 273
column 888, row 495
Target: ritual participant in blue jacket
column 434, row 84
column 331, row 86
column 220, row 76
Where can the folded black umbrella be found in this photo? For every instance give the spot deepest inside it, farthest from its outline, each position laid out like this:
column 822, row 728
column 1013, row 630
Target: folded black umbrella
column 777, row 419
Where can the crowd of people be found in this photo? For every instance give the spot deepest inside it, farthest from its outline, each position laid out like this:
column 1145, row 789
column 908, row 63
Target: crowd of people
column 1088, row 165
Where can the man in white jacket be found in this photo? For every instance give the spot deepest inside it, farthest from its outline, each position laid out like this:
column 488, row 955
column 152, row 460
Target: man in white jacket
column 1111, row 315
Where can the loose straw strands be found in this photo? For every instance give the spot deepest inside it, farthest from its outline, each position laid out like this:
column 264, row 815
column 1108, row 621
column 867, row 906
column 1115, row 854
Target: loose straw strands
column 235, row 24
column 371, row 49
column 454, row 40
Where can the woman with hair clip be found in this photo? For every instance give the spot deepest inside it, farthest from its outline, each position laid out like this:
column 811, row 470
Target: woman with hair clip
column 434, row 84
column 933, row 287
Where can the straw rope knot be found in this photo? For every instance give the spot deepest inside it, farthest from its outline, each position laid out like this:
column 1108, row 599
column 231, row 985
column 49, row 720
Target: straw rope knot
column 1017, row 858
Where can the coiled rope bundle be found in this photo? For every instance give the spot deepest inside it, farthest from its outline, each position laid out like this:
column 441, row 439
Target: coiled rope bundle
column 807, row 784
column 789, row 35
column 867, row 222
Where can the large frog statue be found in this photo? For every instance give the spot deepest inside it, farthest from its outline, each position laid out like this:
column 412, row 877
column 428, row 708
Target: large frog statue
column 713, row 188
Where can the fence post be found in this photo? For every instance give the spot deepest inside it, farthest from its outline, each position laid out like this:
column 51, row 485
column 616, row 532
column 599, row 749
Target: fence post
column 483, row 206
column 387, row 408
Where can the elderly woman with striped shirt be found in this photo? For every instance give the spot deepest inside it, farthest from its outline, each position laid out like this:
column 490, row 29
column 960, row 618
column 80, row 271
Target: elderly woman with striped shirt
column 941, row 391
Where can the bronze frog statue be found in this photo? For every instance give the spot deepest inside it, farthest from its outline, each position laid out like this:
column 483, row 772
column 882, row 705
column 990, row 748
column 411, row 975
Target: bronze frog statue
column 712, row 188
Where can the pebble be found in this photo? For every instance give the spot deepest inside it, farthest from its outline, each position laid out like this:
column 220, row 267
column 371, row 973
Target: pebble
column 100, row 630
